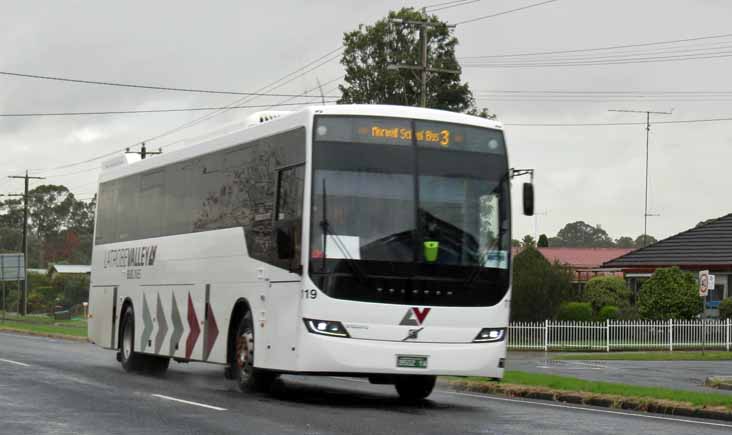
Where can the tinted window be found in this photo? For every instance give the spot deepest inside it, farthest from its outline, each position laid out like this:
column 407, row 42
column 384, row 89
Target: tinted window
column 234, row 187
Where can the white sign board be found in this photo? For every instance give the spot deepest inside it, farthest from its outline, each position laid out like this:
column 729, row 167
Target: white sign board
column 711, row 282
column 12, row 267
column 703, row 283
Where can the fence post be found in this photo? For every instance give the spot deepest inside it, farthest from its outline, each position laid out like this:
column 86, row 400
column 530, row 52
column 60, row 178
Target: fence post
column 671, row 335
column 728, row 328
column 546, row 335
column 607, row 336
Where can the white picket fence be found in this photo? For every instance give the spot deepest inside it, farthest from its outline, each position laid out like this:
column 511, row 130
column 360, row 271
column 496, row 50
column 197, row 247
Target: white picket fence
column 621, row 335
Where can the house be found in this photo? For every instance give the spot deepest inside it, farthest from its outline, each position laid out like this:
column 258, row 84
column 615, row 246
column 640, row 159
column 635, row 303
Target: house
column 585, row 263
column 707, row 246
column 69, row 269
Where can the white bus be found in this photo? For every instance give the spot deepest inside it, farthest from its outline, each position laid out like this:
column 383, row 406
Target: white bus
column 356, row 240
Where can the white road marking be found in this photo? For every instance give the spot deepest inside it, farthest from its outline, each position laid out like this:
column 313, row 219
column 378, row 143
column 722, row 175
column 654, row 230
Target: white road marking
column 187, row 402
column 15, row 362
column 568, row 368
column 580, row 408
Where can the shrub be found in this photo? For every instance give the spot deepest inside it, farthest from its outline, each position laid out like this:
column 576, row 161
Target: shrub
column 725, row 309
column 670, row 294
column 606, row 290
column 538, row 286
column 72, row 288
column 609, row 312
column 577, row 311
column 629, row 313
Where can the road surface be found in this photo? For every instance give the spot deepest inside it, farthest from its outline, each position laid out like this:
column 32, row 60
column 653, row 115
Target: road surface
column 57, row 387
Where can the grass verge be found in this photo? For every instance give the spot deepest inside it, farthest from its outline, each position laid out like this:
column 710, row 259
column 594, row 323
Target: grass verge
column 613, row 393
column 648, row 356
column 70, row 327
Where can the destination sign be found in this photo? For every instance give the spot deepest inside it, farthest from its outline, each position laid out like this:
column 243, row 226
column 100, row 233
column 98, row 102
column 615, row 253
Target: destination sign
column 399, row 131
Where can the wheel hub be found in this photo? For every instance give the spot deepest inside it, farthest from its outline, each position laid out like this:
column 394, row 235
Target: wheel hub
column 245, row 354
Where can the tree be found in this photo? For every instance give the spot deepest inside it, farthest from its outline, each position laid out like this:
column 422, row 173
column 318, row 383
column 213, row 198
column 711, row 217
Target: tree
column 625, row 242
column 515, row 243
column 582, row 235
column 602, row 291
column 370, row 50
column 670, row 294
column 543, row 241
column 575, row 311
column 725, row 309
column 539, row 287
column 649, row 240
column 528, row 241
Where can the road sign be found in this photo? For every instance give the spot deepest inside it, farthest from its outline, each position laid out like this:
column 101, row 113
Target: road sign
column 703, row 283
column 12, row 267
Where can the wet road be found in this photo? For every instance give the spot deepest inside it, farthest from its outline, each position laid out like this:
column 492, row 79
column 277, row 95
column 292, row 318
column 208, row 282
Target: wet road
column 56, row 387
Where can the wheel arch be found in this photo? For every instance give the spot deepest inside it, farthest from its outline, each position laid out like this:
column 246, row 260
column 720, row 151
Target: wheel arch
column 241, row 307
column 126, row 305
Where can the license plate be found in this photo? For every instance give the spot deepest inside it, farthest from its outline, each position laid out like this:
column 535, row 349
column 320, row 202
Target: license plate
column 412, row 361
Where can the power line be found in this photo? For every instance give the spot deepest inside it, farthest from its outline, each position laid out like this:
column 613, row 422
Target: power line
column 533, row 5
column 611, row 47
column 125, row 112
column 138, row 86
column 462, row 3
column 274, row 85
column 616, row 61
column 604, row 124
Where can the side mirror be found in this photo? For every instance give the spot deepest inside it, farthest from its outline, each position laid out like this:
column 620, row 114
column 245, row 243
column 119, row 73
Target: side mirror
column 528, row 199
column 285, row 244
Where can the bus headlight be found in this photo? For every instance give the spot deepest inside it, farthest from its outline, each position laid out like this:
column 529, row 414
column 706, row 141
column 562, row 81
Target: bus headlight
column 490, row 335
column 326, row 327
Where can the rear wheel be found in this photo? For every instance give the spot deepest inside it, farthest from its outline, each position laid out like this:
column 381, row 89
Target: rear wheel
column 415, row 387
column 131, row 360
column 246, row 375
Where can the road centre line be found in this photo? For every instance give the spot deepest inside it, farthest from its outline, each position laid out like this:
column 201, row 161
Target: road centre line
column 187, row 402
column 588, row 409
column 14, row 362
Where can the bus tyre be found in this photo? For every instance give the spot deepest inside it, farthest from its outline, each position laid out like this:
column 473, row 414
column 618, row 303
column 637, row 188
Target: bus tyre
column 414, row 387
column 131, row 361
column 156, row 365
column 246, row 375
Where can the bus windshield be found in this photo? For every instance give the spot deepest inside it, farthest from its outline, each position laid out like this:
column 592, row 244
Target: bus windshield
column 412, row 201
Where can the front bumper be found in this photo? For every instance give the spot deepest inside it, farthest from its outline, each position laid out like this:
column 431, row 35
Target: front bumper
column 357, row 356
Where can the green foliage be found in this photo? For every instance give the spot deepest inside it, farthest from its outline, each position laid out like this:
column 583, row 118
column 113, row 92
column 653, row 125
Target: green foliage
column 581, row 234
column 606, row 290
column 528, row 241
column 649, row 240
column 515, row 243
column 543, row 241
column 575, row 311
column 38, row 280
column 625, row 242
column 370, row 50
column 629, row 312
column 725, row 309
column 72, row 288
column 670, row 294
column 608, row 312
column 538, row 286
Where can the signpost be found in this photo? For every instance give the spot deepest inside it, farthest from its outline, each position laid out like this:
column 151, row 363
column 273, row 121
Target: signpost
column 703, row 292
column 12, row 268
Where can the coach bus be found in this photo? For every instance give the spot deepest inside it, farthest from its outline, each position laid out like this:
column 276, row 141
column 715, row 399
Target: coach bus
column 359, row 240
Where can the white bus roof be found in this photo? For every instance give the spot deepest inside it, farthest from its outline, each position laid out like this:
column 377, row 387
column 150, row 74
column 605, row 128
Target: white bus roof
column 119, row 166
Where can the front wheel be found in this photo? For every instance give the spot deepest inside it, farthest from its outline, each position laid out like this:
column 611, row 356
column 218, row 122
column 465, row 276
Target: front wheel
column 415, row 387
column 131, row 360
column 246, row 375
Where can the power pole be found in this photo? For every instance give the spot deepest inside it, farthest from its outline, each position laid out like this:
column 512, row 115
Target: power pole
column 144, row 152
column 648, row 132
column 26, row 178
column 423, row 67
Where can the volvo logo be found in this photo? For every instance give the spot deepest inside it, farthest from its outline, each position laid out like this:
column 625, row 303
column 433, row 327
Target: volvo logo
column 413, row 334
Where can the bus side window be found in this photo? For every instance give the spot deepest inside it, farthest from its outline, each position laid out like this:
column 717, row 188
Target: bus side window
column 288, row 213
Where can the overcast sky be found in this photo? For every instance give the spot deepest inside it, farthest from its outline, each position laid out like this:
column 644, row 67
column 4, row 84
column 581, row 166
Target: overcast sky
column 593, row 173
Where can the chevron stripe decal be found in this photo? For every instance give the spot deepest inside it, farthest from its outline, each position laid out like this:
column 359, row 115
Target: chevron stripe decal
column 194, row 329
column 177, row 327
column 147, row 324
column 210, row 332
column 162, row 326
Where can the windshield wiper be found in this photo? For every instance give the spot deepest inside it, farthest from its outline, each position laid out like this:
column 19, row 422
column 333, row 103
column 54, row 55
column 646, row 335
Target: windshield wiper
column 325, row 227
